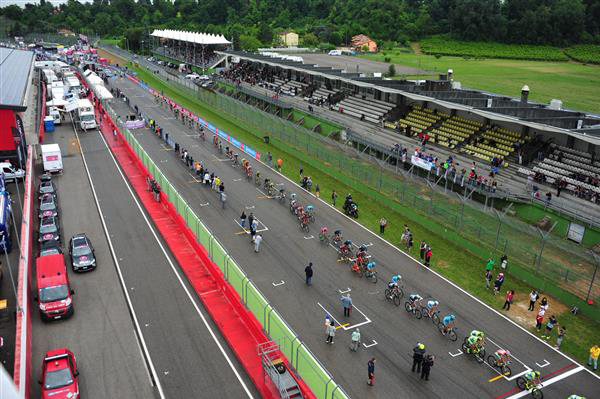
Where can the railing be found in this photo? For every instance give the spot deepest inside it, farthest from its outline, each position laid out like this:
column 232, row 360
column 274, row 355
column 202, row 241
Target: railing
column 318, row 379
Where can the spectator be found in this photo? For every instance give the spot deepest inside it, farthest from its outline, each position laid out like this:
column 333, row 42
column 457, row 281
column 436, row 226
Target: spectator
column 427, row 365
column 279, row 164
column 418, row 353
column 223, row 199
column 382, row 224
column 410, row 243
column 371, row 372
column 498, row 283
column 333, row 197
column 243, row 220
column 330, row 332
column 539, row 320
column 301, row 172
column 594, row 354
column 490, row 264
column 253, row 228
column 549, row 326
column 428, row 256
column 488, row 278
column 509, row 299
column 355, row 340
column 318, row 191
column 308, row 271
column 562, row 330
column 533, row 297
column 250, row 219
column 544, row 304
column 270, row 159
column 347, row 304
column 422, row 249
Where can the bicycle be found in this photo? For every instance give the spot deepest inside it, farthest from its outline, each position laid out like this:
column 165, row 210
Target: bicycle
column 371, row 275
column 503, row 367
column 435, row 317
column 479, row 355
column 324, row 238
column 413, row 309
column 533, row 387
column 304, row 227
column 257, row 180
column 450, row 332
column 394, row 295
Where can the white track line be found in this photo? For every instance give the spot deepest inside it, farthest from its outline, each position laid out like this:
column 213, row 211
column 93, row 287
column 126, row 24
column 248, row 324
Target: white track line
column 212, row 333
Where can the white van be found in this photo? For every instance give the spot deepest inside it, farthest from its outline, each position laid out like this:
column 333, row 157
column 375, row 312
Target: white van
column 335, row 52
column 55, row 114
column 52, row 158
column 10, row 173
column 85, row 114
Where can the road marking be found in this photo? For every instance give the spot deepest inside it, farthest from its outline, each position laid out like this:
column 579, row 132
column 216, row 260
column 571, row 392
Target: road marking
column 264, row 197
column 546, row 363
column 179, row 278
column 278, row 284
column 165, row 148
column 456, row 354
column 250, row 207
column 164, row 161
column 237, row 179
column 280, row 184
column 370, row 345
column 334, row 247
column 342, row 326
column 194, row 178
column 513, row 357
column 309, row 237
column 498, row 377
column 204, row 204
column 549, row 382
column 209, row 292
column 346, row 291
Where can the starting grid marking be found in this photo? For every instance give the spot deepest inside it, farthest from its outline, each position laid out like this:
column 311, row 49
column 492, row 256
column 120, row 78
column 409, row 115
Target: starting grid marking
column 549, row 382
column 345, row 326
column 258, row 230
column 278, row 284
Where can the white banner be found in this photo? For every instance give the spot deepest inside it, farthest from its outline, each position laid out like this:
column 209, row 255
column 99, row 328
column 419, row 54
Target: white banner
column 421, row 163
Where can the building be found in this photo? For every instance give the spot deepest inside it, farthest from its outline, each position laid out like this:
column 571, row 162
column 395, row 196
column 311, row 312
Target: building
column 289, row 39
column 360, row 41
column 16, row 70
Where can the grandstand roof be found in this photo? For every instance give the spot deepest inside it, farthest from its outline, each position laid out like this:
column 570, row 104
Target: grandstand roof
column 503, row 109
column 15, row 66
column 190, row 37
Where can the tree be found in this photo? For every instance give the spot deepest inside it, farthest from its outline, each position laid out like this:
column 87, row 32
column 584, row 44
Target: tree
column 249, row 43
column 265, row 33
column 391, row 71
column 310, row 40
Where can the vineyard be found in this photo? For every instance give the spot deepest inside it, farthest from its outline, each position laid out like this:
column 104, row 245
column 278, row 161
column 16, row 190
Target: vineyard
column 442, row 46
column 586, row 53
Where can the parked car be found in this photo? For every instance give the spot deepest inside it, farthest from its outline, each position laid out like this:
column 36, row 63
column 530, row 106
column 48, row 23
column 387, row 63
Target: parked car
column 48, row 206
column 82, row 253
column 50, row 248
column 49, row 229
column 192, row 76
column 46, row 187
column 60, row 375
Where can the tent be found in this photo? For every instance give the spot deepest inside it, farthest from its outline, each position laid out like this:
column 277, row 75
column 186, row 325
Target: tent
column 95, row 79
column 57, row 102
column 102, row 92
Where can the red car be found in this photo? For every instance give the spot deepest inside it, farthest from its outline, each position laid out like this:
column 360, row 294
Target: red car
column 59, row 375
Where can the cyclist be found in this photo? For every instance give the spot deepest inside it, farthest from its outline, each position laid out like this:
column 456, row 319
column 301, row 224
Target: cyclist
column 502, row 357
column 323, row 233
column 533, row 379
column 432, row 307
column 474, row 344
column 371, row 268
column 448, row 322
column 415, row 300
column 292, row 197
column 345, row 248
column 478, row 334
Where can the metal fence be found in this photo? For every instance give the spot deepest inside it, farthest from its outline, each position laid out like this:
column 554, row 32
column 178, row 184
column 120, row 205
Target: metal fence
column 549, row 262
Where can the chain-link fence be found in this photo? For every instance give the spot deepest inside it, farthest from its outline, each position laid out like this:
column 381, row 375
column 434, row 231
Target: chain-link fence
column 549, row 262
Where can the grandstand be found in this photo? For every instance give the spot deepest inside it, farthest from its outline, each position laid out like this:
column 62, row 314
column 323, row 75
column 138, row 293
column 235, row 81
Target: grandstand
column 494, row 129
column 192, row 48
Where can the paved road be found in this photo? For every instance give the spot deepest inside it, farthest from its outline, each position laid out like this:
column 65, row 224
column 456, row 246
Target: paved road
column 284, row 254
column 185, row 357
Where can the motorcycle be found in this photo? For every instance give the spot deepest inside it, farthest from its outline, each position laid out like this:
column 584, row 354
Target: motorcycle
column 351, row 210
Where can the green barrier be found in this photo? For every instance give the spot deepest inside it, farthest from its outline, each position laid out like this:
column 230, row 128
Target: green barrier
column 308, row 367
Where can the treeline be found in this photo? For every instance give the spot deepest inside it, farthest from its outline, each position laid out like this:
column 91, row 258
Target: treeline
column 253, row 23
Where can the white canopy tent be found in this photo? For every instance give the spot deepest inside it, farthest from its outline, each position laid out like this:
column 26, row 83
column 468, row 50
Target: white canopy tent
column 95, row 79
column 102, row 92
column 190, row 37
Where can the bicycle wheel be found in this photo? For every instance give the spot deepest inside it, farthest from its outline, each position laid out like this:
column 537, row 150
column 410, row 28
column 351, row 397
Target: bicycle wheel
column 464, row 348
column 419, row 313
column 441, row 328
column 536, row 394
column 521, row 383
column 435, row 319
column 374, row 277
column 491, row 359
column 452, row 336
column 424, row 313
column 506, row 371
column 408, row 307
column 480, row 357
column 400, row 294
column 397, row 300
column 388, row 293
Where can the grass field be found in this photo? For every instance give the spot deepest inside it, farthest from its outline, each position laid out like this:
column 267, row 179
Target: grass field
column 575, row 84
column 456, row 263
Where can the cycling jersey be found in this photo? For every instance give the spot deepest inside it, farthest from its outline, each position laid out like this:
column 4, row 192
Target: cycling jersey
column 476, row 333
column 324, row 230
column 531, row 375
column 472, row 340
column 415, row 297
column 431, row 304
column 447, row 320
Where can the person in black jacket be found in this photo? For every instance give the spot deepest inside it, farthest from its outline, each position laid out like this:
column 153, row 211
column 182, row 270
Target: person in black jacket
column 427, row 365
column 418, row 353
column 309, row 273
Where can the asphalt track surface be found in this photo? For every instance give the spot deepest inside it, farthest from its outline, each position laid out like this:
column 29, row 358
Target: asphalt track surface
column 185, row 358
column 285, row 251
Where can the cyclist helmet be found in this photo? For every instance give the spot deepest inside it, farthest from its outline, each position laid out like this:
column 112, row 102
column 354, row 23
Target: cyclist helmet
column 309, row 207
column 421, row 346
column 537, row 374
column 435, row 303
column 371, row 264
column 452, row 317
column 348, row 242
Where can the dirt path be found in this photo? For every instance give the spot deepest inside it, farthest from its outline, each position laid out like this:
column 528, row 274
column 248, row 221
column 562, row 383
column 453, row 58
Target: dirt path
column 416, row 47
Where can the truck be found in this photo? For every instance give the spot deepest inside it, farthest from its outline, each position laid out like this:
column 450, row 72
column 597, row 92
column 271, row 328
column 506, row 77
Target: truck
column 52, row 158
column 85, row 114
column 54, row 293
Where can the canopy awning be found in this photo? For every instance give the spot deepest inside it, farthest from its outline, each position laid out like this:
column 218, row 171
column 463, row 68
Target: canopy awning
column 190, row 37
